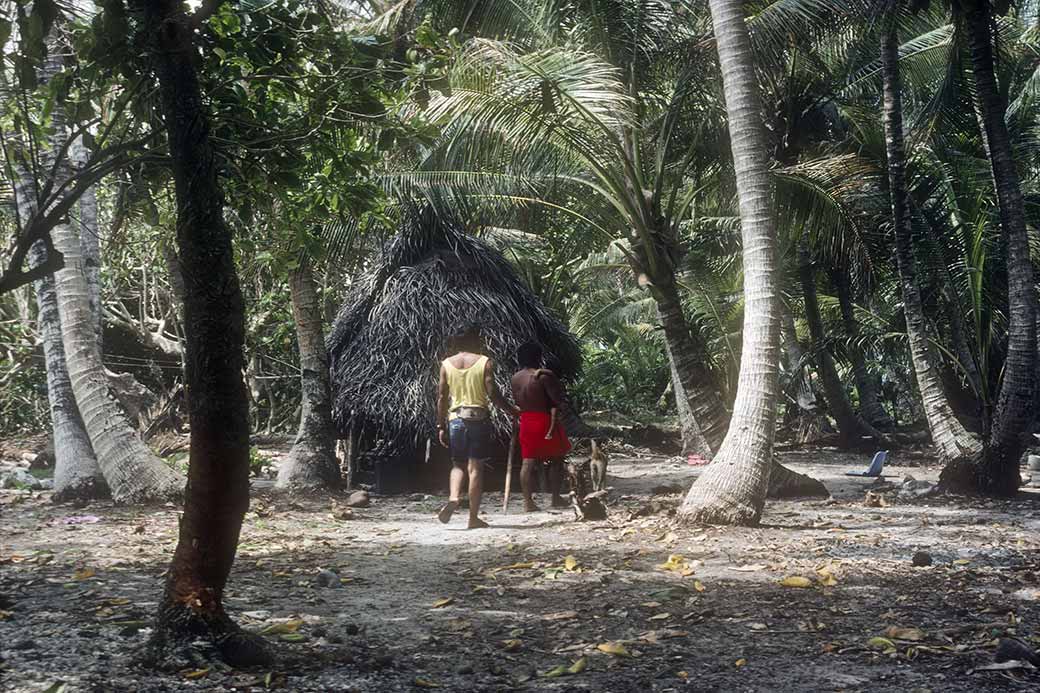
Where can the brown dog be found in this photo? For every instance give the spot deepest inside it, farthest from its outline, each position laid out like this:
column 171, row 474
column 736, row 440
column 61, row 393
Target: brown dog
column 598, row 462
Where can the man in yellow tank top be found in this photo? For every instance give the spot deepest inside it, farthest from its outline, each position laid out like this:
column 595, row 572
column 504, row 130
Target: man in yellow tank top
column 466, row 391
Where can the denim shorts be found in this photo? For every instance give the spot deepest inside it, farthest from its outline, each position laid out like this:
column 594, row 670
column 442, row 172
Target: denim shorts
column 470, row 440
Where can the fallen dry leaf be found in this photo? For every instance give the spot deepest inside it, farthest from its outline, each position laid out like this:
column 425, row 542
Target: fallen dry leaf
column 282, row 628
column 796, row 581
column 556, row 673
column 441, row 603
column 676, row 563
column 911, row 634
column 579, row 665
column 879, row 643
column 614, row 648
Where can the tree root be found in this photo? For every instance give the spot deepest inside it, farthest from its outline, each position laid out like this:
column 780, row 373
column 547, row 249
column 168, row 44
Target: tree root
column 184, row 640
column 88, row 489
column 787, row 483
column 971, row 475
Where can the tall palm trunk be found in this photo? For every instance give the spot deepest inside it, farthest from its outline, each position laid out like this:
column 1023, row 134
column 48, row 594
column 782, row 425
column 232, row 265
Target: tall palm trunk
column 732, row 490
column 870, row 407
column 851, row 426
column 998, row 470
column 217, row 494
column 311, row 463
column 952, row 442
column 86, row 224
column 76, row 471
column 702, row 415
column 133, row 472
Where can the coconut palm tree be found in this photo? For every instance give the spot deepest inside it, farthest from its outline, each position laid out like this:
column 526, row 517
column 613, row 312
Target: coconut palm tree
column 133, row 472
column 952, row 441
column 997, row 472
column 732, row 490
column 76, row 471
column 311, row 462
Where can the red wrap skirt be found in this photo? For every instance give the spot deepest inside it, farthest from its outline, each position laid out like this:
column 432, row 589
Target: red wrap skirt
column 533, row 444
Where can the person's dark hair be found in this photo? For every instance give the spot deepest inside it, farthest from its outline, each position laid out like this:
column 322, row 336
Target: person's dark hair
column 529, row 355
column 466, row 338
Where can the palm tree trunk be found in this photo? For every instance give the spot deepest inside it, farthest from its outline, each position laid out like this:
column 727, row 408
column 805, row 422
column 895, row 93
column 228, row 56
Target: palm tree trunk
column 311, row 463
column 851, row 427
column 870, row 407
column 90, row 242
column 952, row 442
column 217, row 494
column 76, row 471
column 133, row 472
column 702, row 415
column 998, row 471
column 732, row 490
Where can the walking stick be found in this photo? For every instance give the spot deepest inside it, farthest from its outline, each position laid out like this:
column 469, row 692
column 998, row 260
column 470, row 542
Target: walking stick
column 514, row 443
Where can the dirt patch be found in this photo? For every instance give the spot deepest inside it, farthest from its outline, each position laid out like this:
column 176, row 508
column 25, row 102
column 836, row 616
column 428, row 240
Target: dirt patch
column 393, row 601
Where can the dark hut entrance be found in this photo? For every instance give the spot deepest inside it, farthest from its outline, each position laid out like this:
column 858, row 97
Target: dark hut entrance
column 386, row 345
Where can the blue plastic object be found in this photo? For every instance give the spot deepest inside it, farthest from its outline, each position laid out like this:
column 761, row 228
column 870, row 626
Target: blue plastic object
column 876, row 465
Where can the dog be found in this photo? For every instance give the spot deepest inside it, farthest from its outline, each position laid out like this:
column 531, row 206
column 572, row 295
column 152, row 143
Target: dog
column 598, row 462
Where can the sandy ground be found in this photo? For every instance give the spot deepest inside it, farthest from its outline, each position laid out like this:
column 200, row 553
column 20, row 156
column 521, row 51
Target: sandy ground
column 419, row 605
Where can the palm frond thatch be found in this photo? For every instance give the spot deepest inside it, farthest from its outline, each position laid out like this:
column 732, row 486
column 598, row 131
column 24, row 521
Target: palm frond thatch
column 432, row 280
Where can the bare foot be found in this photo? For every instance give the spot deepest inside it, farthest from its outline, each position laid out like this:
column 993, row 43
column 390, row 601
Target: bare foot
column 560, row 502
column 447, row 511
column 530, row 507
column 477, row 524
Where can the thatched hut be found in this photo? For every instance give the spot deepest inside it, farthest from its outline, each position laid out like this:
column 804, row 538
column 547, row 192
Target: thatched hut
column 385, row 346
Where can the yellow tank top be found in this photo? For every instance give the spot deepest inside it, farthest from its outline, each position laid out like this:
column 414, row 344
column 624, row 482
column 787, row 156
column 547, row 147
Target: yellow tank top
column 466, row 385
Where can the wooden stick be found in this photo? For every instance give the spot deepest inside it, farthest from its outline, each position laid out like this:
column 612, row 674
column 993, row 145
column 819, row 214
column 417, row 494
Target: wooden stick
column 514, row 443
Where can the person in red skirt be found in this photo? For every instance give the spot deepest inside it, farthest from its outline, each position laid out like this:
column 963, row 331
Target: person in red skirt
column 539, row 394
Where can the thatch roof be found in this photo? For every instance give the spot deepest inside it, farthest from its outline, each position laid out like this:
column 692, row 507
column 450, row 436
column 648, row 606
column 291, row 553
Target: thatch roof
column 431, row 281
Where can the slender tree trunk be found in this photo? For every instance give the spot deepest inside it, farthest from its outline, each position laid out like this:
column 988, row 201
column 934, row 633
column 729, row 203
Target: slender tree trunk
column 133, row 472
column 870, row 407
column 851, row 426
column 86, row 225
column 217, row 494
column 732, row 490
column 952, row 442
column 311, row 463
column 76, row 471
column 702, row 415
column 998, row 471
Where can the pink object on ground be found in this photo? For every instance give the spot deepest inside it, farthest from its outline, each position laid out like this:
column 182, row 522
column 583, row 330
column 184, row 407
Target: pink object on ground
column 696, row 460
